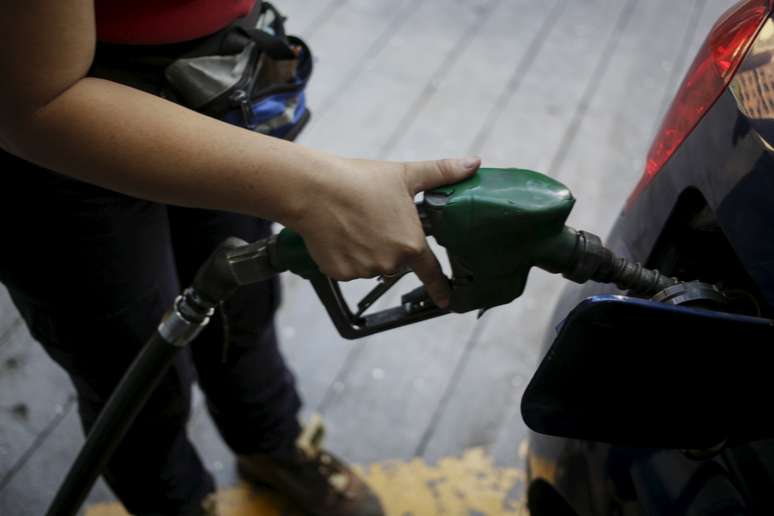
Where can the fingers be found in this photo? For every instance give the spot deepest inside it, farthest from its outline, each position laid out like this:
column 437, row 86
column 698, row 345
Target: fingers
column 429, row 272
column 421, row 176
column 424, row 175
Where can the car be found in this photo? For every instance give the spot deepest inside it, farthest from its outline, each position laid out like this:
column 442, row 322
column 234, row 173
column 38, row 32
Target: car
column 702, row 212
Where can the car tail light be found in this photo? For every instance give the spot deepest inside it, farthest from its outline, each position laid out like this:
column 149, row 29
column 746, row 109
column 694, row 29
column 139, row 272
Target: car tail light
column 707, row 78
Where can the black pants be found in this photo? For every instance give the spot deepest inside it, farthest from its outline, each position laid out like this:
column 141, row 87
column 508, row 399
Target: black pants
column 92, row 272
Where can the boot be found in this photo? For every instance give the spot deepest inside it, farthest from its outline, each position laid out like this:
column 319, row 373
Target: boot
column 312, row 478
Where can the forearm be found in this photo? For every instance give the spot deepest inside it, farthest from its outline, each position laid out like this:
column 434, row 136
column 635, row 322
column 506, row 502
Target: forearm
column 133, row 142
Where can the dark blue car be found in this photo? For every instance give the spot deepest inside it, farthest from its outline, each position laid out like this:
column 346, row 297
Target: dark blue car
column 666, row 409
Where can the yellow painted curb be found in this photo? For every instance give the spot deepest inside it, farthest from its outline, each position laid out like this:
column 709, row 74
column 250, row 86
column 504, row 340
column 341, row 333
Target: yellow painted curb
column 464, row 486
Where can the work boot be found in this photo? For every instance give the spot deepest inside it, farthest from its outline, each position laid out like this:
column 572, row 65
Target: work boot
column 312, row 478
column 210, row 505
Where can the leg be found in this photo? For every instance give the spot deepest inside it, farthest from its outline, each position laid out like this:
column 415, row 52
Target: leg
column 250, row 391
column 92, row 273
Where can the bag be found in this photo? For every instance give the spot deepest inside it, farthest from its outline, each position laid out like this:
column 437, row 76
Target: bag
column 250, row 74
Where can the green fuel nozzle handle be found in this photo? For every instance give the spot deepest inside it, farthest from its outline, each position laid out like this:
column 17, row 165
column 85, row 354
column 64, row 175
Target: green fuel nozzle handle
column 495, row 226
column 498, row 224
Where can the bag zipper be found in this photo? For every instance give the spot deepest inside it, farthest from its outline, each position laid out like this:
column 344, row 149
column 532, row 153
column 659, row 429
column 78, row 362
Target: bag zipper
column 222, row 102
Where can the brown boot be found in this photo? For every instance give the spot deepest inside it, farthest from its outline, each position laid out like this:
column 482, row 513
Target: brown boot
column 312, row 478
column 210, row 506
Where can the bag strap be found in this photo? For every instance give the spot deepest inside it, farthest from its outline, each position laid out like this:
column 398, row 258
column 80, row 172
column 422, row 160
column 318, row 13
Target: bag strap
column 275, row 45
column 277, row 48
column 278, row 21
column 234, row 39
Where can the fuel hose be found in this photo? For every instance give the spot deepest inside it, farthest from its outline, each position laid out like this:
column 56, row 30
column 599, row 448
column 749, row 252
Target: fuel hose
column 113, row 423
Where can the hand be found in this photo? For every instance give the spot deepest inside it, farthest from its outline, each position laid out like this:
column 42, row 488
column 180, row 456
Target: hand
column 363, row 223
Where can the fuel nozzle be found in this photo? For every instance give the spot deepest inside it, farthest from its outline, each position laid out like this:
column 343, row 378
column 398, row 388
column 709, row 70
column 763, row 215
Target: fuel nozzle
column 580, row 256
column 500, row 223
column 495, row 227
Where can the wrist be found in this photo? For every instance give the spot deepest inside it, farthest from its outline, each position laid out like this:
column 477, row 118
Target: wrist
column 315, row 180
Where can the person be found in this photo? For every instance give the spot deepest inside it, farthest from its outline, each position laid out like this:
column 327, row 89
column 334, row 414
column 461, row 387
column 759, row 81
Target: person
column 112, row 197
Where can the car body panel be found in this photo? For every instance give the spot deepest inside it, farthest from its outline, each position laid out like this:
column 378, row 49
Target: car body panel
column 728, row 160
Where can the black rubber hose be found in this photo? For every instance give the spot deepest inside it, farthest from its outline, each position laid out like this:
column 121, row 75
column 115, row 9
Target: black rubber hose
column 112, row 424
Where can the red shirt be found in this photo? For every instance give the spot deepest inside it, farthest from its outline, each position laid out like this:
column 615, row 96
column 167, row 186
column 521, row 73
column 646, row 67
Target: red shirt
column 154, row 22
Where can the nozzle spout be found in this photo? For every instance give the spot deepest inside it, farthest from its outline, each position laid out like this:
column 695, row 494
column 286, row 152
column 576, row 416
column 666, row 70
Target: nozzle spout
column 633, row 277
column 580, row 256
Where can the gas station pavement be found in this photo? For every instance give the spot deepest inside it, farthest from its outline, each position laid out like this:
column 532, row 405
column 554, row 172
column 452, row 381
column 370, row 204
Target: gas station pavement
column 429, row 412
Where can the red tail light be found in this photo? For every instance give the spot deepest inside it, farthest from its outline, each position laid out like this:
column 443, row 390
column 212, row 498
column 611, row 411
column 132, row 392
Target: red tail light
column 709, row 75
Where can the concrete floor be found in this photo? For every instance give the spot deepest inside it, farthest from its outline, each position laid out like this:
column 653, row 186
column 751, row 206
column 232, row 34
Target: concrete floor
column 572, row 88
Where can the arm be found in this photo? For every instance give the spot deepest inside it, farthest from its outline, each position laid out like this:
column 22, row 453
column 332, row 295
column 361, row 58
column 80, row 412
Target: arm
column 357, row 217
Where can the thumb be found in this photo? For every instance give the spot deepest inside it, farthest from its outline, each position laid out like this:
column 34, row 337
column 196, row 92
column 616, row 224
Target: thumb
column 424, row 175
